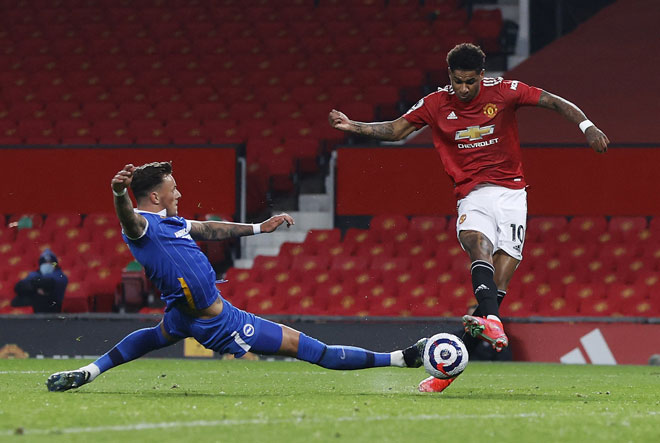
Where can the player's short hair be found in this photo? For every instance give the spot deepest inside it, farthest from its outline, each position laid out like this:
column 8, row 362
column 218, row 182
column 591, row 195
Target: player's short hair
column 148, row 177
column 466, row 57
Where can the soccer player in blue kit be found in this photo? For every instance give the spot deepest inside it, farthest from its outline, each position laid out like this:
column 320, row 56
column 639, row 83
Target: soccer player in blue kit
column 164, row 244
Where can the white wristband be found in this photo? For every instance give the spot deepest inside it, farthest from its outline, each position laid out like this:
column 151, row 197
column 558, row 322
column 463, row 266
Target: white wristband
column 119, row 194
column 256, row 228
column 585, row 125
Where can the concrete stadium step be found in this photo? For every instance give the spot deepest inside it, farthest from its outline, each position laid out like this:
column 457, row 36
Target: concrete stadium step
column 308, row 220
column 315, row 203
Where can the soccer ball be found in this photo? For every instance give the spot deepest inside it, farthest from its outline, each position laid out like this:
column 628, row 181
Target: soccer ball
column 445, row 356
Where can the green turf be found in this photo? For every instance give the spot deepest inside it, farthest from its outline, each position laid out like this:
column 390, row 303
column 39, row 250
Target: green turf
column 242, row 401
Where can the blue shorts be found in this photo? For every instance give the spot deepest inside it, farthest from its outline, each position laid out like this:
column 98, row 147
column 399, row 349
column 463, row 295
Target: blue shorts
column 234, row 331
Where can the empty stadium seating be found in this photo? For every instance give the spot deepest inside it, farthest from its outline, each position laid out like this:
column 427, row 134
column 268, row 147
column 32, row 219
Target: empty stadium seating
column 615, row 277
column 160, row 73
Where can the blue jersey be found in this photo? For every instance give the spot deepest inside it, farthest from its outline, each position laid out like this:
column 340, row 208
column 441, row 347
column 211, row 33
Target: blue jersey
column 173, row 261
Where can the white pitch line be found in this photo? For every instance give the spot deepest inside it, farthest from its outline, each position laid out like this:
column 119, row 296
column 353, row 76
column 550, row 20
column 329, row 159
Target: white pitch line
column 22, row 372
column 291, row 420
column 259, row 421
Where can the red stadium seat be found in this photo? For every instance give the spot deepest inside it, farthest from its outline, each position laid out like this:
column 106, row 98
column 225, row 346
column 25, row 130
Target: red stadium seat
column 267, row 263
column 294, row 249
column 307, row 305
column 387, row 225
column 72, row 128
column 340, row 249
column 622, row 294
column 241, row 293
column 62, row 110
column 396, row 278
column 182, row 129
column 209, row 111
column 541, row 228
column 557, row 307
column 347, row 305
column 537, row 254
column 76, row 299
column 598, row 307
column 292, row 291
column 373, row 250
column 415, row 250
column 98, row 111
column 265, row 305
column 321, row 240
column 222, row 131
column 587, row 229
column 640, row 308
column 168, row 111
column 135, row 111
column 277, row 276
column 626, row 228
column 318, row 277
column 389, row 306
column 307, row 263
column 35, row 128
column 62, row 221
column 429, row 265
column 517, row 307
column 349, row 263
column 579, row 255
column 390, row 264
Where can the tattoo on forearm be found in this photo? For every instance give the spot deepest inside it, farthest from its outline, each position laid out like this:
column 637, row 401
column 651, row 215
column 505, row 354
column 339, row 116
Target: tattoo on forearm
column 220, row 231
column 562, row 106
column 207, row 232
column 383, row 131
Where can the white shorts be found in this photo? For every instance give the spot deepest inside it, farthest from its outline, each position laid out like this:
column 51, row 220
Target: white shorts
column 497, row 212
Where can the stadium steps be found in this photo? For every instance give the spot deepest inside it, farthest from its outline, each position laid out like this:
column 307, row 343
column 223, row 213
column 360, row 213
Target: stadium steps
column 315, row 212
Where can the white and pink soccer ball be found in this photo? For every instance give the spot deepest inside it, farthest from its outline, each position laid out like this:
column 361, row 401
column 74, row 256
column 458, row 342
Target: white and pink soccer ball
column 445, row 356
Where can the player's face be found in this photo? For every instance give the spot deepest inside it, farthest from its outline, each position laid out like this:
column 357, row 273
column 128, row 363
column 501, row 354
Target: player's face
column 168, row 196
column 466, row 84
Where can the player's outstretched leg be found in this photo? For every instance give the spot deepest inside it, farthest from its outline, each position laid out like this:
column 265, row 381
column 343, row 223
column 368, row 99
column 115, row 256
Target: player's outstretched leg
column 350, row 357
column 134, row 345
column 432, row 384
column 487, row 329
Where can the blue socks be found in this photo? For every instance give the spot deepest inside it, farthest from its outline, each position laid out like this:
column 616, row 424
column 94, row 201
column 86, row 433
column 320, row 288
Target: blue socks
column 134, row 345
column 339, row 357
column 138, row 343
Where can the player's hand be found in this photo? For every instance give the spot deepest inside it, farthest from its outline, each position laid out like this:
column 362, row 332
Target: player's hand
column 275, row 221
column 597, row 139
column 338, row 120
column 123, row 178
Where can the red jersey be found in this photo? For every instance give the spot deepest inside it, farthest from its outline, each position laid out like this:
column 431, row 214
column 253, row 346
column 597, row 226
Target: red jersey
column 477, row 140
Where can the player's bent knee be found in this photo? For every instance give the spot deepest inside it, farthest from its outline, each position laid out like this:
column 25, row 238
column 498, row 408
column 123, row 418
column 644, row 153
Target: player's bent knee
column 290, row 342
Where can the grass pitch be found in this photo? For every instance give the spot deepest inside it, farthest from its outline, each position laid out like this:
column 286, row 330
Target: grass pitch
column 243, row 401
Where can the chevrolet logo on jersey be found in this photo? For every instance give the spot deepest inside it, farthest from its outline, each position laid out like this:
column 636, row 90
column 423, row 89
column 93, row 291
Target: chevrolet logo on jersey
column 474, row 132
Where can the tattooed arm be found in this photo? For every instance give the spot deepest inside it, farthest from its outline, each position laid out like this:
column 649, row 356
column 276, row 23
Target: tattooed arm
column 595, row 137
column 392, row 130
column 132, row 223
column 217, row 230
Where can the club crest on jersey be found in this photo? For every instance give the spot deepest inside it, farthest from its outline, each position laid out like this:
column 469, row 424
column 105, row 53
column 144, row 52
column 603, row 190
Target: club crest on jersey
column 462, row 219
column 416, row 106
column 490, row 110
column 474, row 132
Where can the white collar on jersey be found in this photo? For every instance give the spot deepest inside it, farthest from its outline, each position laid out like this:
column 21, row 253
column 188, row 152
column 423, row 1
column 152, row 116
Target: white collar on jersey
column 162, row 213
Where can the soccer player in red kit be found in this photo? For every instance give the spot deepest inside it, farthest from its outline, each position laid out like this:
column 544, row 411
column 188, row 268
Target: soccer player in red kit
column 476, row 134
